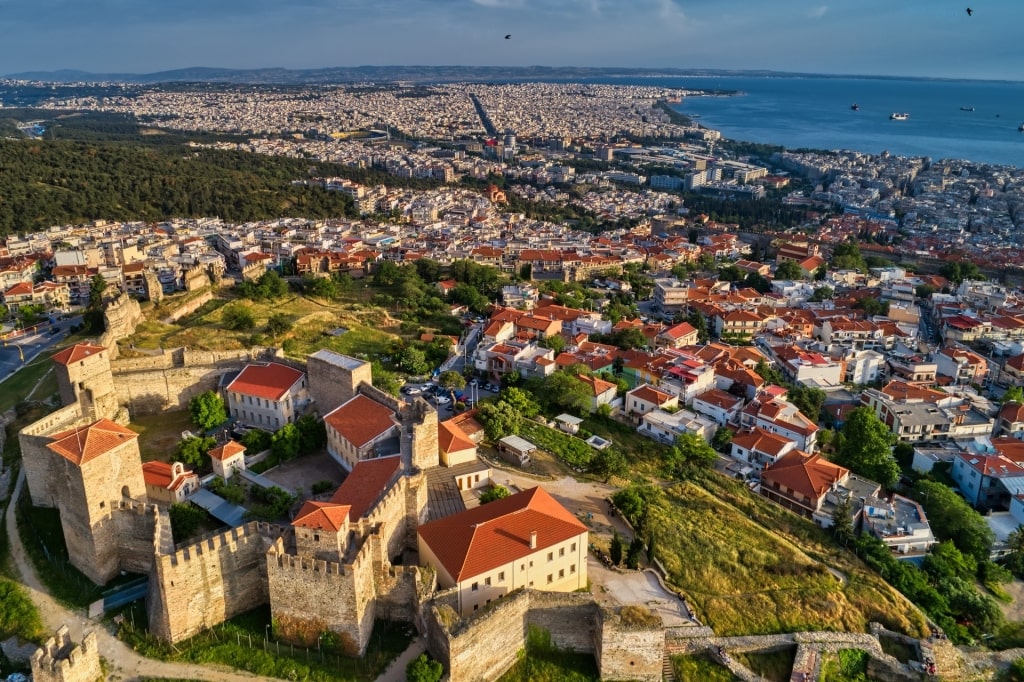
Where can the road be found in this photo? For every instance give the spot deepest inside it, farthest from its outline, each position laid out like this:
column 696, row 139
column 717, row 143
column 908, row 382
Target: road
column 31, row 345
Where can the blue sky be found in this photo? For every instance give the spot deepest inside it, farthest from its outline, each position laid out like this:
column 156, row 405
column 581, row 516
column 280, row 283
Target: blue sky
column 885, row 37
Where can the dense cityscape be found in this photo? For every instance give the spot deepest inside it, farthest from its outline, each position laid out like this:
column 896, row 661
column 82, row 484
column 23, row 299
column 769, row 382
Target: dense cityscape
column 573, row 387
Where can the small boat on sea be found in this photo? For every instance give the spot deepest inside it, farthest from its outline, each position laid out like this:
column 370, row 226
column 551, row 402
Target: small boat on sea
column 898, row 117
column 855, row 106
column 1021, row 127
column 966, row 108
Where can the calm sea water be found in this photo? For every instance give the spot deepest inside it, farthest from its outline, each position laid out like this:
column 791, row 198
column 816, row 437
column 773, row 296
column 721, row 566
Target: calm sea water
column 815, row 112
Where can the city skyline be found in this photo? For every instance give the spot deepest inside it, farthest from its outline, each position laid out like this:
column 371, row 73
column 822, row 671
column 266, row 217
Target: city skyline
column 912, row 38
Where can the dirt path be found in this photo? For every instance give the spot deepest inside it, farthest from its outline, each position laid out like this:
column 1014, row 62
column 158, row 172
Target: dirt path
column 124, row 664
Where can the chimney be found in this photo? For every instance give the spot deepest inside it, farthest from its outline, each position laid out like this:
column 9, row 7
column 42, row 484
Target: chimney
column 533, row 539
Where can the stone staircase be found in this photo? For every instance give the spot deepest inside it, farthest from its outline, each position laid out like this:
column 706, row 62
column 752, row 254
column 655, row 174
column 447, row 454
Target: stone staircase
column 667, row 673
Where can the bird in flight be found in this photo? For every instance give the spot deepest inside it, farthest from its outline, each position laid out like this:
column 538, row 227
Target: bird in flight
column 508, row 37
column 970, row 11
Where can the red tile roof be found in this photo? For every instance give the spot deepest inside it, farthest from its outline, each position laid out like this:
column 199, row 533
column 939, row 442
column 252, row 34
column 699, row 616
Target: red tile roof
column 226, row 451
column 361, row 419
column 481, row 539
column 650, row 394
column 270, row 380
column 759, row 440
column 367, row 483
column 451, row 438
column 809, row 475
column 77, row 352
column 161, row 475
column 595, row 386
column 322, row 516
column 85, row 443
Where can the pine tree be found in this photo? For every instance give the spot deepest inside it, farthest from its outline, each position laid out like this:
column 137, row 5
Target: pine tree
column 615, row 549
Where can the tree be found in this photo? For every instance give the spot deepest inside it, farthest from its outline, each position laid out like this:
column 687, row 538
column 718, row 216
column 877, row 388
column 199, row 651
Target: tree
column 413, row 360
column 186, row 520
column 722, row 439
column 847, row 256
column 207, row 410
column 499, row 420
column 789, row 269
column 808, row 399
column 768, row 373
column 1014, row 395
column 866, row 448
column 1015, row 559
column 700, row 323
column 615, row 548
column 636, row 547
column 312, row 433
column 192, row 452
column 238, row 317
column 924, row 290
column 609, row 463
column 957, row 271
column 822, row 293
column 555, row 342
column 285, row 443
column 842, row 521
column 564, row 391
column 279, row 323
column 872, row 306
column 386, row 274
column 451, row 380
column 424, row 669
column 495, row 492
column 952, row 518
column 97, row 286
column 521, row 401
column 689, row 451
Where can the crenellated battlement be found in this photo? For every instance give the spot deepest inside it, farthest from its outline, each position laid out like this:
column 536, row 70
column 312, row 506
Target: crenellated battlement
column 306, row 564
column 238, row 539
column 58, row 660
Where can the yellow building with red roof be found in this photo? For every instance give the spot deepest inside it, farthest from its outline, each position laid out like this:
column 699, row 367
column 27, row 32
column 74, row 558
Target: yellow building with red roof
column 526, row 540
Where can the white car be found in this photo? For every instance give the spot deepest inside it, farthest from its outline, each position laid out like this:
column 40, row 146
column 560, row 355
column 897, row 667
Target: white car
column 442, row 400
column 414, row 390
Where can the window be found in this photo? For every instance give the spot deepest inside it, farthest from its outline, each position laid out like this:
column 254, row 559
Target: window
column 316, row 537
column 487, row 581
column 561, row 551
column 531, row 564
column 476, row 586
column 573, row 547
column 522, row 567
column 572, row 569
column 501, row 576
column 476, row 607
column 561, row 573
column 551, row 556
column 551, row 578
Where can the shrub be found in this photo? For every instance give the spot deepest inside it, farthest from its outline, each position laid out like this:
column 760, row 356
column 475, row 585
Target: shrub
column 323, row 486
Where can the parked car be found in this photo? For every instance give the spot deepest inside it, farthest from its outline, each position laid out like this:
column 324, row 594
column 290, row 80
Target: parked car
column 442, row 400
column 495, row 388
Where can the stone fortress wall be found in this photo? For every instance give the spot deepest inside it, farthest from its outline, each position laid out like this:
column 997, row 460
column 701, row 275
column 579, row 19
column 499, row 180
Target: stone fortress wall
column 121, row 315
column 59, row 660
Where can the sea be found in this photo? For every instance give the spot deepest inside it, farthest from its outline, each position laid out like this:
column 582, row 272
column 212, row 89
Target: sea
column 815, row 112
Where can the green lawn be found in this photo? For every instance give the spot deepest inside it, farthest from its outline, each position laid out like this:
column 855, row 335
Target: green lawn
column 850, row 665
column 21, row 384
column 239, row 643
column 544, row 662
column 700, row 668
column 159, row 434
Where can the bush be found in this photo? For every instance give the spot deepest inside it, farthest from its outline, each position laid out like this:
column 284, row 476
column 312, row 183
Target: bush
column 186, row 520
column 323, row 486
column 424, row 669
column 232, row 491
column 572, row 451
column 256, row 441
column 495, row 492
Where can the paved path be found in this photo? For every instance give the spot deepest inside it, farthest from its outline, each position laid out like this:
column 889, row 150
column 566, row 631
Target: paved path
column 125, row 664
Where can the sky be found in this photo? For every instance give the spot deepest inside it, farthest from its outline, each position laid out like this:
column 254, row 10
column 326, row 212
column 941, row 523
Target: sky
column 931, row 38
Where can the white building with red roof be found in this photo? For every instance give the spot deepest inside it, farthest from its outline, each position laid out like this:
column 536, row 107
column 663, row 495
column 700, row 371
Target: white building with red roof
column 361, row 429
column 168, row 483
column 526, row 540
column 1011, row 420
column 646, row 398
column 722, row 406
column 454, row 445
column 760, row 447
column 267, row 395
column 779, row 416
column 227, row 459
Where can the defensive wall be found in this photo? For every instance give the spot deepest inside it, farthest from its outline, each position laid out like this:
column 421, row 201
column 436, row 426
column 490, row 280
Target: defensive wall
column 59, row 660
column 189, row 307
column 486, row 645
column 120, row 316
column 38, row 460
column 202, row 584
column 170, row 379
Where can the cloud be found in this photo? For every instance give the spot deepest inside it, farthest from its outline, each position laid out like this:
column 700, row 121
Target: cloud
column 818, row 12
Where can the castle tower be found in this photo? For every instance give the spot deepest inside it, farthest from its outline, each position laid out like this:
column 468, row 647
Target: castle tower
column 424, row 451
column 58, row 660
column 334, row 378
column 84, row 377
column 95, row 466
column 321, row 530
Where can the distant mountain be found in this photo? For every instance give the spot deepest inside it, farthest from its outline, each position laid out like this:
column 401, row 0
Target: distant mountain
column 354, row 74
